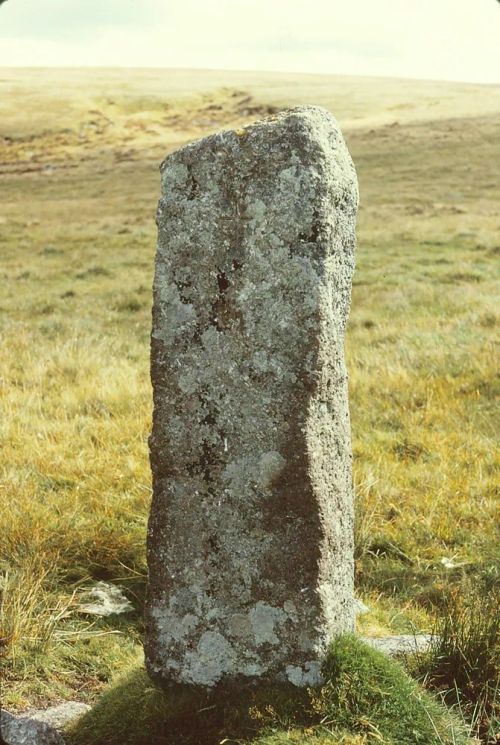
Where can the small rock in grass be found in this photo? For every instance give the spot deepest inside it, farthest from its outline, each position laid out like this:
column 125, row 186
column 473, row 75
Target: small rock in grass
column 60, row 715
column 109, row 600
column 39, row 726
column 25, row 731
column 401, row 644
column 360, row 607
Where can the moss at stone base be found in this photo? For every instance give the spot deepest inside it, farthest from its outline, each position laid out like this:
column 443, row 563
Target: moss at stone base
column 366, row 698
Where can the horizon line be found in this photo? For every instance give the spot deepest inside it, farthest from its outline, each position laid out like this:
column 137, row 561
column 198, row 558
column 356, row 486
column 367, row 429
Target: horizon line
column 250, row 71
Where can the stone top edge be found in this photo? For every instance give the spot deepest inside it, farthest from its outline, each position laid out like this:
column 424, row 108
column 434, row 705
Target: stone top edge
column 308, row 114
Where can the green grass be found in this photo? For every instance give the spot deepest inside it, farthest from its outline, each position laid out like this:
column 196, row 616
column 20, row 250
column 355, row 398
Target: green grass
column 77, row 250
column 366, row 698
column 463, row 662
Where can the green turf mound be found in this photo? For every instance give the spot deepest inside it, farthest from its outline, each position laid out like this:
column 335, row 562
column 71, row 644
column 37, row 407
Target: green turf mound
column 367, row 698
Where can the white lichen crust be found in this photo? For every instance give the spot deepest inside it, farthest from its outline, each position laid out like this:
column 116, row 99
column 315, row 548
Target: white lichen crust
column 250, row 545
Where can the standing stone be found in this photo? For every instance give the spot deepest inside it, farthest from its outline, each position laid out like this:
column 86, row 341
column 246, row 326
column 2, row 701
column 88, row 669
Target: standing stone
column 250, row 545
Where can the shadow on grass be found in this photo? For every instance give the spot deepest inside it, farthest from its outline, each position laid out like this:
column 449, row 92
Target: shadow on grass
column 366, row 697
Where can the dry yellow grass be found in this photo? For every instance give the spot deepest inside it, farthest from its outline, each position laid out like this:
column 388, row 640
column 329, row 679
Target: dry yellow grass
column 79, row 152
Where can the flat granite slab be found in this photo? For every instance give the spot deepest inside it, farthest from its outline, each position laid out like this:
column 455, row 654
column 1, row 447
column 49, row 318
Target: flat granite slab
column 39, row 726
column 403, row 644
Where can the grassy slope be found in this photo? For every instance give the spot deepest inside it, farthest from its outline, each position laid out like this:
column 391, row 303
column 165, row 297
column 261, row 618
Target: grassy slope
column 79, row 181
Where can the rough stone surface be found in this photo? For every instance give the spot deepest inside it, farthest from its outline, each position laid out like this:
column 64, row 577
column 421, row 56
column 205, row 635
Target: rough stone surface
column 39, row 726
column 60, row 715
column 25, row 731
column 250, row 534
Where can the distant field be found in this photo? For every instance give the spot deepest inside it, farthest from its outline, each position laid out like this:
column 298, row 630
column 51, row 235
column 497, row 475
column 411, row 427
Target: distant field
column 79, row 155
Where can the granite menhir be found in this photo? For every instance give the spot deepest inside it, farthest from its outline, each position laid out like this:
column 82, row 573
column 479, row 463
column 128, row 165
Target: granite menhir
column 250, row 539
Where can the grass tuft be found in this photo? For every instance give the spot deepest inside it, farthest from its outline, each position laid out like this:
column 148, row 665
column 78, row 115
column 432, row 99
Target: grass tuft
column 464, row 662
